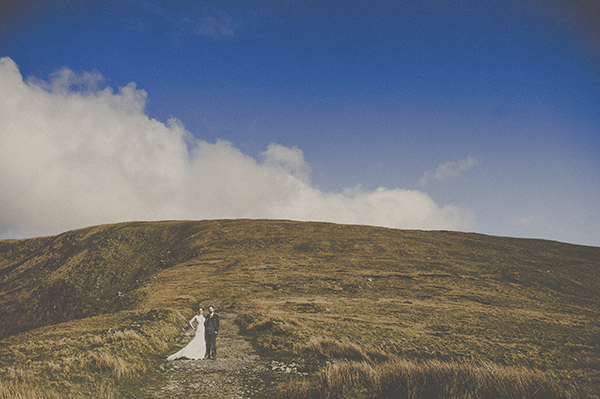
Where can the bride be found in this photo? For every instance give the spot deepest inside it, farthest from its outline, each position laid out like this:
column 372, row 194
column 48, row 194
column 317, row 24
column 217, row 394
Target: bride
column 196, row 349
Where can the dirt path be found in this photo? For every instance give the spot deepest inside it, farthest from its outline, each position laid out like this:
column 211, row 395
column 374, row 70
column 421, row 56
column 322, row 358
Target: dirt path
column 238, row 371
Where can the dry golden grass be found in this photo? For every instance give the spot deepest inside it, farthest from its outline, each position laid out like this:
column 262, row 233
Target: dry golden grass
column 115, row 365
column 342, row 378
column 404, row 379
column 33, row 390
column 87, row 358
column 328, row 348
column 21, row 390
column 452, row 380
column 297, row 389
column 456, row 298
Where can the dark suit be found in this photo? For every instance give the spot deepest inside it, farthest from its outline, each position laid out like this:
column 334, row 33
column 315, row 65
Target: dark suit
column 211, row 328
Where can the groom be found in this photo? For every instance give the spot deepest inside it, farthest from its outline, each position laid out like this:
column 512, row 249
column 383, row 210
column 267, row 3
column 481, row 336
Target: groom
column 211, row 328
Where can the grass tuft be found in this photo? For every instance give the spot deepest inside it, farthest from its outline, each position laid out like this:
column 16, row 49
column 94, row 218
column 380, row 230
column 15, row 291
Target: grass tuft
column 105, row 362
column 424, row 380
column 325, row 348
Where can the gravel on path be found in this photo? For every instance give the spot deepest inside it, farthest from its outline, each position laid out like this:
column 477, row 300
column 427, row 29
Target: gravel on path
column 238, row 372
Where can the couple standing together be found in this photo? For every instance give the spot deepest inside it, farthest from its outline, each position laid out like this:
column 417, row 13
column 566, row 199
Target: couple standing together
column 204, row 344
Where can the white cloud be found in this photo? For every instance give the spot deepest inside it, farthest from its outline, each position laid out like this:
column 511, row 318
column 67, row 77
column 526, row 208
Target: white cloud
column 288, row 160
column 448, row 170
column 73, row 154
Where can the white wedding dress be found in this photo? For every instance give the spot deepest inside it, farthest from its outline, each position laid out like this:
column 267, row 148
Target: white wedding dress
column 196, row 349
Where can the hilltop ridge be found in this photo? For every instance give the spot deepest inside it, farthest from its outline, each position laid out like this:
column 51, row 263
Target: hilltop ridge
column 81, row 272
column 431, row 294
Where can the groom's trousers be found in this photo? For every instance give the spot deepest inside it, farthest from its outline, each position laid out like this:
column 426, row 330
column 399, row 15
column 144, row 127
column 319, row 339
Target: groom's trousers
column 211, row 343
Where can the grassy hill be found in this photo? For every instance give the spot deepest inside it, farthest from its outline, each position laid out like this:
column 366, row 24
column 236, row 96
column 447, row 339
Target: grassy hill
column 95, row 309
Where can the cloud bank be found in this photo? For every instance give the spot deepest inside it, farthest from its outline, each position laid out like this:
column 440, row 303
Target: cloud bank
column 74, row 153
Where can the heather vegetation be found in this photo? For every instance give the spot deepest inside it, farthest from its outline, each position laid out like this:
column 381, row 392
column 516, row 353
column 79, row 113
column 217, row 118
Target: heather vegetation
column 365, row 312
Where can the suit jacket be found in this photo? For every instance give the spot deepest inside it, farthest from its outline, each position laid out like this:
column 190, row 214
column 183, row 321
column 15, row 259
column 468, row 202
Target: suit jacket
column 211, row 324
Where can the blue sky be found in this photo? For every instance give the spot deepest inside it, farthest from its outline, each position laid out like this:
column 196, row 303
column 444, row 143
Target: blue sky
column 467, row 115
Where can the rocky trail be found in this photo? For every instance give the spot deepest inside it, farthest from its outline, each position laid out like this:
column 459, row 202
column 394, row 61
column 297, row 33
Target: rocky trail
column 238, row 372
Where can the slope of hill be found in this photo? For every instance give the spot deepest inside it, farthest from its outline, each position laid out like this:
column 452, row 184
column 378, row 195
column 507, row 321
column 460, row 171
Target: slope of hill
column 300, row 290
column 82, row 273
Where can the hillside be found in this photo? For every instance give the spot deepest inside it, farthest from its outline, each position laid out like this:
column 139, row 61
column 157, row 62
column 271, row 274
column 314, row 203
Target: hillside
column 414, row 295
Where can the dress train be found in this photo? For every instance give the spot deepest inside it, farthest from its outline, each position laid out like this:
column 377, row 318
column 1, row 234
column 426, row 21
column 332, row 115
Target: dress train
column 195, row 350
